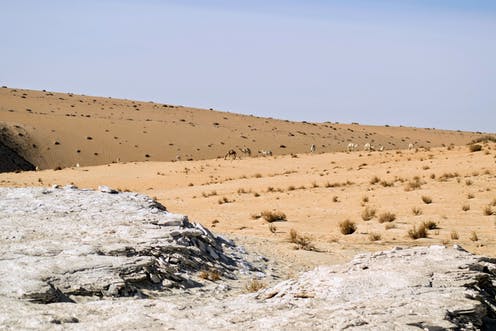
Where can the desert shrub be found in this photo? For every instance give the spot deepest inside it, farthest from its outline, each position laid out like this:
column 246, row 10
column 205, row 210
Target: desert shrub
column 209, row 194
column 368, row 213
column 335, row 198
column 254, row 286
column 470, row 196
column 468, row 182
column 484, row 139
column 302, row 242
column 473, row 236
column 454, row 235
column 386, row 183
column 375, row 180
column 416, row 211
column 466, row 207
column 475, row 148
column 291, row 188
column 426, row 199
column 430, row 225
column 386, row 217
column 212, row 275
column 273, row 216
column 487, row 210
column 414, row 184
column 256, row 194
column 374, row 236
column 365, row 199
column 347, row 227
column 417, row 232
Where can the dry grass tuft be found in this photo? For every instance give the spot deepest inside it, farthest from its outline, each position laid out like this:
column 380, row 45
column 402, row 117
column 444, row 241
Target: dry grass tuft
column 473, row 236
column 368, row 213
column 374, row 236
column 347, row 227
column 389, row 226
column 475, row 148
column 375, row 180
column 416, row 211
column 488, row 210
column 273, row 216
column 430, row 225
column 254, row 286
column 387, row 217
column 302, row 242
column 212, row 275
column 414, row 184
column 417, row 232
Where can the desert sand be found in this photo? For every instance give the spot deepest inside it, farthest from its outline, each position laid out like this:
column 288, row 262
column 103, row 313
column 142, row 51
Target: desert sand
column 175, row 155
column 316, row 191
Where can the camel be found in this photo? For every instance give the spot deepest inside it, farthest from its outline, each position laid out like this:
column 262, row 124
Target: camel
column 231, row 153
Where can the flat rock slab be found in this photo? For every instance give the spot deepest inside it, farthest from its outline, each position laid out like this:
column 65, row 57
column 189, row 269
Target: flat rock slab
column 86, row 260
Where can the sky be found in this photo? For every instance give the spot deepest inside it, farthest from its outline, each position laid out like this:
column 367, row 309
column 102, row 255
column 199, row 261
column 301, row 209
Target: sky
column 424, row 63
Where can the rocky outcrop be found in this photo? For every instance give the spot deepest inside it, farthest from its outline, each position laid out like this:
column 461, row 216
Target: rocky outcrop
column 60, row 244
column 111, row 260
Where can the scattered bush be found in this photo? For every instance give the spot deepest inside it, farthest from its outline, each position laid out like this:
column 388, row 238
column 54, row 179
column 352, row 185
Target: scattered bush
column 374, row 236
column 470, row 196
column 368, row 213
column 335, row 198
column 375, row 180
column 416, row 233
column 273, row 216
column 466, row 207
column 347, row 227
column 454, row 235
column 212, row 275
column 254, row 286
column 416, row 211
column 475, row 148
column 487, row 210
column 302, row 242
column 426, row 199
column 473, row 236
column 386, row 217
column 414, row 184
column 430, row 225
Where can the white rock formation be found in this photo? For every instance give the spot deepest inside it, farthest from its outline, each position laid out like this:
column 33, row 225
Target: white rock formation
column 120, row 261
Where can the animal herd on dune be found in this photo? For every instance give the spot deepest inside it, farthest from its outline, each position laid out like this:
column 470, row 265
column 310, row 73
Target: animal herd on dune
column 351, row 147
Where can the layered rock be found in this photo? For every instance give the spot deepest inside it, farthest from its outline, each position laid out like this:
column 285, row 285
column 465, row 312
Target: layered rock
column 59, row 244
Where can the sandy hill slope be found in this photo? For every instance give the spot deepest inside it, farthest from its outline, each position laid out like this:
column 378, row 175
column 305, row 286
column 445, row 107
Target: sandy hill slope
column 51, row 130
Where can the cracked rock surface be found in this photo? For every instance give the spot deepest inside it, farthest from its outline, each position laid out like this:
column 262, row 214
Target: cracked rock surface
column 88, row 260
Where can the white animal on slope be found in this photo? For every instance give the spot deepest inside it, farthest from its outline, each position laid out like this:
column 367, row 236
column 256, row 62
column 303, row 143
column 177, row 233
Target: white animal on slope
column 367, row 147
column 246, row 151
column 381, row 148
column 410, row 146
column 313, row 148
column 266, row 152
column 351, row 147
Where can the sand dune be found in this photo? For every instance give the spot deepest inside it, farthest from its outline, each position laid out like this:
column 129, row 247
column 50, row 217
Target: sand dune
column 52, row 130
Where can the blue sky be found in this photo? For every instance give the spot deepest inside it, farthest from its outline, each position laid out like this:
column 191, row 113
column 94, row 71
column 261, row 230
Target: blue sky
column 427, row 63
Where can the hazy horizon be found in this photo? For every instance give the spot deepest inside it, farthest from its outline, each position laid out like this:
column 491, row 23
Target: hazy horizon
column 418, row 63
